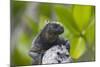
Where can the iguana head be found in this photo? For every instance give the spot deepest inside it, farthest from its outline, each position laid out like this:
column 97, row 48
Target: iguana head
column 54, row 28
column 51, row 32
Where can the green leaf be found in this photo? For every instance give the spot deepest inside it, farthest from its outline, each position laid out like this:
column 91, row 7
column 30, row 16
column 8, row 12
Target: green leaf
column 18, row 7
column 67, row 34
column 23, row 39
column 20, row 57
column 77, row 47
column 31, row 23
column 42, row 22
column 44, row 9
column 20, row 53
column 90, row 32
column 66, row 18
column 82, row 15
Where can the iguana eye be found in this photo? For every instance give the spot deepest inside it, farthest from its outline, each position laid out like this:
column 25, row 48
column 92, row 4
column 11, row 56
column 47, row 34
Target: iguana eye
column 56, row 26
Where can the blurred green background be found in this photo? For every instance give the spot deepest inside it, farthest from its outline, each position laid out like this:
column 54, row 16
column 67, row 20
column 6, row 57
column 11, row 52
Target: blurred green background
column 28, row 18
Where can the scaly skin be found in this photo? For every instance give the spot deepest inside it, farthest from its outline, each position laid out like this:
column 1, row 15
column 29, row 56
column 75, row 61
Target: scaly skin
column 47, row 38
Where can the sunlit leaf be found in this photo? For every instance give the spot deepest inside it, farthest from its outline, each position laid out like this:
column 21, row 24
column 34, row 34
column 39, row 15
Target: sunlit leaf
column 67, row 34
column 20, row 54
column 42, row 22
column 20, row 58
column 77, row 47
column 81, row 15
column 90, row 32
column 66, row 18
column 23, row 39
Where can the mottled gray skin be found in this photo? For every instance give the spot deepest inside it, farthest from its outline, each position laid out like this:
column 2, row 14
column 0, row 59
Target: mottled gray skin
column 47, row 38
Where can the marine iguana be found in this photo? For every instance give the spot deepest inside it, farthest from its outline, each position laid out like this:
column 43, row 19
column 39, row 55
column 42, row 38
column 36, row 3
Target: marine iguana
column 47, row 38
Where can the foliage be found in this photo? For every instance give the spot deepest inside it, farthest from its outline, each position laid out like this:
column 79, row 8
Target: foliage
column 78, row 22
